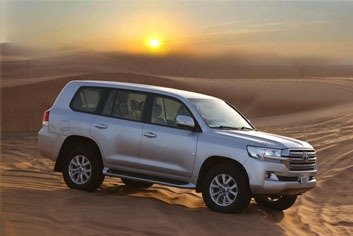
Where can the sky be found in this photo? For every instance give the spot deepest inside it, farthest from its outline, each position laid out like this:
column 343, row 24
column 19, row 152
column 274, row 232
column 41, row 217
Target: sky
column 294, row 28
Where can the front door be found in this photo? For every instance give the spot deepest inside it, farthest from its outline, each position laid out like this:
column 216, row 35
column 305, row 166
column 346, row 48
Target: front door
column 165, row 148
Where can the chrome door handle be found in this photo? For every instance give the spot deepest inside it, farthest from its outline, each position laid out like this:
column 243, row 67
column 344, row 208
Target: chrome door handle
column 101, row 126
column 150, row 135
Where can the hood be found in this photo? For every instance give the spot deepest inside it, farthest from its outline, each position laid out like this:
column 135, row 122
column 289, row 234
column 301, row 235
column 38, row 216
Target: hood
column 263, row 139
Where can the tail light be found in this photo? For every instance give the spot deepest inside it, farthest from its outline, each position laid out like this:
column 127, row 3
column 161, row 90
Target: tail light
column 46, row 117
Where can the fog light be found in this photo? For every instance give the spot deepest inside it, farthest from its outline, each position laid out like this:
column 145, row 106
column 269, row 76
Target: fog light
column 271, row 176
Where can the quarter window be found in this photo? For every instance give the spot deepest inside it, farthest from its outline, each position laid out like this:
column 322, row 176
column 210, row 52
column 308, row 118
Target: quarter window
column 87, row 99
column 165, row 111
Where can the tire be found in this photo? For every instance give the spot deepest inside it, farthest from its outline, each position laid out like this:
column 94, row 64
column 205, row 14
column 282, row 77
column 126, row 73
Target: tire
column 88, row 160
column 215, row 198
column 278, row 203
column 136, row 184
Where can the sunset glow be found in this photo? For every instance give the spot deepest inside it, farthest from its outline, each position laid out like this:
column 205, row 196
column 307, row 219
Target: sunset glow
column 153, row 43
column 165, row 27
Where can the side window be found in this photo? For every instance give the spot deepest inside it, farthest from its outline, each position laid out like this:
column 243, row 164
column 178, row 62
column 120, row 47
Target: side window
column 165, row 111
column 86, row 99
column 108, row 106
column 126, row 105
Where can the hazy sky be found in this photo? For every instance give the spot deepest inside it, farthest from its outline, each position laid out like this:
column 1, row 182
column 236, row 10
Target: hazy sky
column 311, row 28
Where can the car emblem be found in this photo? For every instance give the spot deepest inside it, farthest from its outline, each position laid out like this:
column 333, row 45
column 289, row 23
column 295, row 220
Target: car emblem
column 305, row 156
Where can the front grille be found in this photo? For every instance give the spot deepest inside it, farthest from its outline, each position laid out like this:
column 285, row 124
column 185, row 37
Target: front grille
column 299, row 161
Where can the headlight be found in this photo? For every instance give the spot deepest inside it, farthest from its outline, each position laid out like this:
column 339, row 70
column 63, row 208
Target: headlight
column 262, row 153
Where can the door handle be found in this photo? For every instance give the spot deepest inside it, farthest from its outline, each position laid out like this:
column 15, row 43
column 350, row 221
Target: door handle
column 150, row 135
column 101, row 126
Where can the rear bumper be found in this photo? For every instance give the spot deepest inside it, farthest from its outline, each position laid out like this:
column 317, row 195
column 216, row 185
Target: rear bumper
column 49, row 143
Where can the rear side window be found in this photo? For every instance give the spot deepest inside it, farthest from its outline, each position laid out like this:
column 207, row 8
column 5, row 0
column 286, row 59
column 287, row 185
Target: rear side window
column 87, row 99
column 125, row 105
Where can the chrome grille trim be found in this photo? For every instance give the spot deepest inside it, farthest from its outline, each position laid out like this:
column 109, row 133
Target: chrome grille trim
column 298, row 163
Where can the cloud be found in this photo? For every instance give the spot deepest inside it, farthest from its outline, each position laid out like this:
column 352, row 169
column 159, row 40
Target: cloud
column 225, row 36
column 222, row 24
column 222, row 34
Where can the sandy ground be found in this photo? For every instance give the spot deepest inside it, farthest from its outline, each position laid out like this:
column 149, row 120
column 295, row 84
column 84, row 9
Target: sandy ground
column 35, row 200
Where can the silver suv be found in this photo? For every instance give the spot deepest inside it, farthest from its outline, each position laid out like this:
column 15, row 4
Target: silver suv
column 147, row 134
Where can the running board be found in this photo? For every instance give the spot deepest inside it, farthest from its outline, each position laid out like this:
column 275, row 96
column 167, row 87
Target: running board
column 148, row 178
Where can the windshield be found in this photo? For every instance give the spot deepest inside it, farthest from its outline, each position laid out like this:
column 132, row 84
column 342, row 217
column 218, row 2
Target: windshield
column 218, row 114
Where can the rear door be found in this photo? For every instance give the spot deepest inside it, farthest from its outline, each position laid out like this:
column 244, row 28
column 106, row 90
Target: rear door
column 165, row 148
column 119, row 127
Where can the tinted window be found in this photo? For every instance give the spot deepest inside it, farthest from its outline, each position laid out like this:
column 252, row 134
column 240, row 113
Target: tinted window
column 86, row 99
column 125, row 105
column 165, row 111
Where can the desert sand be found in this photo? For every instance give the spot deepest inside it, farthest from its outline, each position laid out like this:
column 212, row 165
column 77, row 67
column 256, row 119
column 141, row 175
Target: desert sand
column 35, row 200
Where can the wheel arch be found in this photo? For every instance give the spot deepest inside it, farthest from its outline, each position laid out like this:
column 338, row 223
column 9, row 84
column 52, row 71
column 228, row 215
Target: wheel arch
column 71, row 142
column 216, row 160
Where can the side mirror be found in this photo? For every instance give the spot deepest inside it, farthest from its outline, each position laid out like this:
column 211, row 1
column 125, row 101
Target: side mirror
column 185, row 121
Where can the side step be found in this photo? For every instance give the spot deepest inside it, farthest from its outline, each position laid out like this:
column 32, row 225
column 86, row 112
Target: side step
column 148, row 178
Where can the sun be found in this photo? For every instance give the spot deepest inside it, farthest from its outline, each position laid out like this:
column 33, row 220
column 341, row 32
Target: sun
column 154, row 43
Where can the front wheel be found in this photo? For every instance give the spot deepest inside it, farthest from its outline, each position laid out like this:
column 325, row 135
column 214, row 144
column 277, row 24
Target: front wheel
column 225, row 189
column 277, row 202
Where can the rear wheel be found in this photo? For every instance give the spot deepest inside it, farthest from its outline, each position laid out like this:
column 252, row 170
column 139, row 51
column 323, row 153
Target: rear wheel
column 276, row 202
column 136, row 184
column 225, row 189
column 83, row 169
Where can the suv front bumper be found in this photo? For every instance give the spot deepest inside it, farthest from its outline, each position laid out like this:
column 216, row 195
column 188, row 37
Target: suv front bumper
column 283, row 187
column 275, row 178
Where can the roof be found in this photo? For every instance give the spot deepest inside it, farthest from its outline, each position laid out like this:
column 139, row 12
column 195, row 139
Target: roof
column 144, row 87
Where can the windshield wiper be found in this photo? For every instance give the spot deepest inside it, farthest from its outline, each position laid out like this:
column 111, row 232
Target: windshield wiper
column 230, row 127
column 223, row 127
column 244, row 128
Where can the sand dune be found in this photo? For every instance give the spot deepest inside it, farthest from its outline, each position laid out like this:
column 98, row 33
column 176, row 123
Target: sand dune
column 19, row 62
column 35, row 200
column 17, row 82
